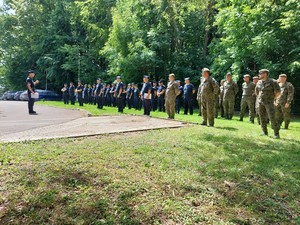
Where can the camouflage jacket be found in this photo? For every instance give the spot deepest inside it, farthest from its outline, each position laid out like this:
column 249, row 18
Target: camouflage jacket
column 266, row 90
column 287, row 94
column 248, row 89
column 230, row 90
column 172, row 90
column 208, row 88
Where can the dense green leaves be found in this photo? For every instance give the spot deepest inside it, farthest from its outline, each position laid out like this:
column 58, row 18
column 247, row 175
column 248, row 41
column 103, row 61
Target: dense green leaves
column 67, row 40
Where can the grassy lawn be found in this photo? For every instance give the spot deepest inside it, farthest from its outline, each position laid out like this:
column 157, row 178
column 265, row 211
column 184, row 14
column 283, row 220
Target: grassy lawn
column 192, row 175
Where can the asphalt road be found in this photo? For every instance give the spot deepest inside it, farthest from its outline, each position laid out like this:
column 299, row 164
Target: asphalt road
column 14, row 117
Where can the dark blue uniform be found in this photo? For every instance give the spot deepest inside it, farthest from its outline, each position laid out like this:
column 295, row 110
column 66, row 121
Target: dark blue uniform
column 86, row 95
column 98, row 96
column 129, row 93
column 161, row 98
column 188, row 98
column 72, row 94
column 154, row 98
column 120, row 97
column 179, row 99
column 136, row 99
column 30, row 100
column 113, row 96
column 146, row 102
column 80, row 94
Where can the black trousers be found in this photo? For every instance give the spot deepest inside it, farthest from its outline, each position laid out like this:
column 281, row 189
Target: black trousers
column 99, row 102
column 30, row 103
column 120, row 104
column 66, row 99
column 80, row 100
column 178, row 105
column 161, row 104
column 188, row 106
column 72, row 99
column 147, row 106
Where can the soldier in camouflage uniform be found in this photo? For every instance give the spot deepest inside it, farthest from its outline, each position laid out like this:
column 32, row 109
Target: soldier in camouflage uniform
column 170, row 98
column 255, row 99
column 247, row 98
column 267, row 90
column 230, row 91
column 283, row 103
column 221, row 98
column 207, row 92
column 217, row 103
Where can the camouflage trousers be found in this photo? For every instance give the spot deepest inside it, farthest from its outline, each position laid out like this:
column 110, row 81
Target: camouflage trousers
column 283, row 114
column 208, row 110
column 267, row 111
column 221, row 107
column 247, row 101
column 170, row 107
column 199, row 104
column 217, row 106
column 228, row 105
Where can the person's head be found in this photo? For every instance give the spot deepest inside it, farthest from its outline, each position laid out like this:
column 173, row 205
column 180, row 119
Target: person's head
column 71, row 83
column 263, row 74
column 154, row 83
column 178, row 82
column 161, row 83
column 171, row 77
column 129, row 85
column 113, row 84
column 118, row 79
column 229, row 77
column 255, row 79
column 205, row 73
column 90, row 85
column 146, row 79
column 222, row 82
column 108, row 85
column 85, row 85
column 187, row 80
column 79, row 82
column 282, row 78
column 65, row 85
column 98, row 81
column 94, row 85
column 247, row 78
column 31, row 73
column 104, row 85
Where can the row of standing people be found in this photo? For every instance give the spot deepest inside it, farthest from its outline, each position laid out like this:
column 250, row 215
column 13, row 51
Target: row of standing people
column 211, row 97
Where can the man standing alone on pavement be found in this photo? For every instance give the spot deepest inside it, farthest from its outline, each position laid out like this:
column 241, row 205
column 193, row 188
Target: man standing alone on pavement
column 31, row 91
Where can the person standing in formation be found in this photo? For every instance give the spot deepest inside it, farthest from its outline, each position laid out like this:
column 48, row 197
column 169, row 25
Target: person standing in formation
column 64, row 90
column 79, row 91
column 119, row 94
column 284, row 102
column 230, row 91
column 188, row 92
column 72, row 93
column 248, row 98
column 146, row 95
column 206, row 92
column 172, row 92
column 161, row 90
column 267, row 90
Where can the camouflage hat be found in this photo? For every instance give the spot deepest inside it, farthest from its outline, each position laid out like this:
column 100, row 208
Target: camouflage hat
column 255, row 77
column 205, row 70
column 187, row 78
column 172, row 75
column 283, row 75
column 161, row 81
column 118, row 77
column 264, row 71
column 247, row 75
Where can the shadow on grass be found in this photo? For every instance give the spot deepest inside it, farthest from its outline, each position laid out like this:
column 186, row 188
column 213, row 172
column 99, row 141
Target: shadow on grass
column 266, row 175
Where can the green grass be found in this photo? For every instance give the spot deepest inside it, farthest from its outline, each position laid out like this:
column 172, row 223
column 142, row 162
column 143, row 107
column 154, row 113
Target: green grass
column 192, row 175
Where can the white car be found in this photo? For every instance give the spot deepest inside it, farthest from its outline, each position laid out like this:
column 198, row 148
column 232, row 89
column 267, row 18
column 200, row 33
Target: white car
column 24, row 96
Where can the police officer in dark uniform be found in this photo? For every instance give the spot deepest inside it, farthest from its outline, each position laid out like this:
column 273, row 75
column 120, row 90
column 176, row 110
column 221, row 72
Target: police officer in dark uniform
column 188, row 91
column 179, row 98
column 79, row 91
column 72, row 93
column 86, row 94
column 31, row 90
column 129, row 93
column 119, row 94
column 98, row 93
column 64, row 90
column 93, row 95
column 161, row 90
column 113, row 94
column 136, row 97
column 108, row 95
column 146, row 95
column 154, row 96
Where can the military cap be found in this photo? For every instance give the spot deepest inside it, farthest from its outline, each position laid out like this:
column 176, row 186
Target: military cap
column 228, row 74
column 255, row 77
column 283, row 75
column 205, row 70
column 118, row 77
column 264, row 71
column 178, row 81
column 172, row 75
column 79, row 81
column 146, row 76
column 99, row 79
column 247, row 75
column 161, row 81
column 187, row 78
column 30, row 71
